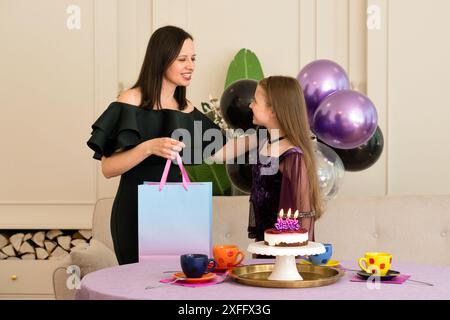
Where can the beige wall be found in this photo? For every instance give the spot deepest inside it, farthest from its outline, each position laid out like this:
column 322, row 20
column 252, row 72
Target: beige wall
column 54, row 82
column 46, row 98
column 418, row 105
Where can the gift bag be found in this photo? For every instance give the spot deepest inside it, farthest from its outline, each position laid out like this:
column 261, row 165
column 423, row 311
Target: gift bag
column 174, row 218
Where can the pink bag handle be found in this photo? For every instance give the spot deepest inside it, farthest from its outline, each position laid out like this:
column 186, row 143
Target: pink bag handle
column 184, row 175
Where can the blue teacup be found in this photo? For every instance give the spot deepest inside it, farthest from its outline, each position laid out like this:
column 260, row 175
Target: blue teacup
column 321, row 259
column 195, row 265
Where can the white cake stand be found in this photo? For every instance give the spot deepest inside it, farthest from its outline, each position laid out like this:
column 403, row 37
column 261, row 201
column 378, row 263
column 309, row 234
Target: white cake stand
column 285, row 267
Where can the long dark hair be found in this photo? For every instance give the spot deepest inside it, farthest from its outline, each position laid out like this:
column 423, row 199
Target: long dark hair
column 163, row 48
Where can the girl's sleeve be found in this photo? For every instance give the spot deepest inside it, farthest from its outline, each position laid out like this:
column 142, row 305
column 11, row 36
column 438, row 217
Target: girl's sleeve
column 294, row 193
column 116, row 129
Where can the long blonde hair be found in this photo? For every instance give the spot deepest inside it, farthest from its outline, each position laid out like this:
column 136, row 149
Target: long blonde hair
column 285, row 96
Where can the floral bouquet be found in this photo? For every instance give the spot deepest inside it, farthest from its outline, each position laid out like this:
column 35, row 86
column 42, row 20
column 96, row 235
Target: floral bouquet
column 211, row 109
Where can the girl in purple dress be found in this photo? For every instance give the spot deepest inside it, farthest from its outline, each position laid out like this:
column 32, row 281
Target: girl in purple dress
column 280, row 107
column 284, row 173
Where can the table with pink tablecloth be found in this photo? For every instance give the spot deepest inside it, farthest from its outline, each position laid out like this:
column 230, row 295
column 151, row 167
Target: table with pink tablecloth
column 129, row 282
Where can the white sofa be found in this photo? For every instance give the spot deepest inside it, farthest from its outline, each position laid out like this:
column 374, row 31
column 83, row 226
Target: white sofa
column 412, row 228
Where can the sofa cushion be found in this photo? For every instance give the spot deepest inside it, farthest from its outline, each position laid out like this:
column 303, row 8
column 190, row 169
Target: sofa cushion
column 412, row 228
column 101, row 229
column 230, row 221
column 95, row 257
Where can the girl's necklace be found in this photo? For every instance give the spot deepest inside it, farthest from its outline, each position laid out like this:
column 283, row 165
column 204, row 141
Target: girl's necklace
column 275, row 140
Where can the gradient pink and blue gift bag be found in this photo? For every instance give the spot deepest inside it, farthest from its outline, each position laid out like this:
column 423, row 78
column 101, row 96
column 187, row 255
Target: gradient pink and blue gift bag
column 174, row 221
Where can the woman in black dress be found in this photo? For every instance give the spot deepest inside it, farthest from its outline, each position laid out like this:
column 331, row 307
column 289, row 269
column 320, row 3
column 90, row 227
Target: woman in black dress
column 132, row 138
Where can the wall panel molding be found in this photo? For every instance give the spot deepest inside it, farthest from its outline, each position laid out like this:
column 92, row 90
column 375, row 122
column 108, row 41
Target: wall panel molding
column 107, row 18
column 377, row 78
column 47, row 95
column 418, row 107
column 307, row 30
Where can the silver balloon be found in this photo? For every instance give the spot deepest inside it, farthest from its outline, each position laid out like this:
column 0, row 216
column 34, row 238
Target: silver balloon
column 330, row 170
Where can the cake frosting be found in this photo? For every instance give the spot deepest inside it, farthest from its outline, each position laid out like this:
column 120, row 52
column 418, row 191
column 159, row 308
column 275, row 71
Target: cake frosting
column 287, row 232
column 286, row 238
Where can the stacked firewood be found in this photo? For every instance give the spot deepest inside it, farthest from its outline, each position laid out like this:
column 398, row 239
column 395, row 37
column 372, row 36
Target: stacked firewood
column 42, row 245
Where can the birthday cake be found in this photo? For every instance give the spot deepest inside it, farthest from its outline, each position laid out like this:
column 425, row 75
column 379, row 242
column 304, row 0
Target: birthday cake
column 287, row 232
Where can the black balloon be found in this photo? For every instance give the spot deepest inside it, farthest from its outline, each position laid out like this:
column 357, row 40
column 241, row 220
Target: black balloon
column 234, row 104
column 240, row 176
column 363, row 156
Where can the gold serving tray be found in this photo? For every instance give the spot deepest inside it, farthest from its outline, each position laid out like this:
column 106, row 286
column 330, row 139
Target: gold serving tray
column 313, row 276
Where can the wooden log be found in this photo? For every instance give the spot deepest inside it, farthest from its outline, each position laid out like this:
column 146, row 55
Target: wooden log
column 16, row 240
column 4, row 240
column 77, row 235
column 49, row 245
column 58, row 253
column 87, row 234
column 64, row 242
column 52, row 234
column 77, row 242
column 28, row 256
column 26, row 247
column 39, row 238
column 41, row 253
column 81, row 246
column 9, row 250
column 13, row 258
column 28, row 236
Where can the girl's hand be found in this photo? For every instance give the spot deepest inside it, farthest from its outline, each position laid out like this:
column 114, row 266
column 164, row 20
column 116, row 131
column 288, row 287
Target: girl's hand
column 164, row 147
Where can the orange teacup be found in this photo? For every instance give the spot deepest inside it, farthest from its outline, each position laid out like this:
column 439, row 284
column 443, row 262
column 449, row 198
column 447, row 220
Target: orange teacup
column 227, row 256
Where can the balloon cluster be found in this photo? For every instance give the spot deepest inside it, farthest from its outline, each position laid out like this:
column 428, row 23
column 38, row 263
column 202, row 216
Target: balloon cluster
column 344, row 121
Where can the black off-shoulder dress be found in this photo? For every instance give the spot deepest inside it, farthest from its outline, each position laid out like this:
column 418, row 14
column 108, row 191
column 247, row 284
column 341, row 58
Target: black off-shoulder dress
column 121, row 127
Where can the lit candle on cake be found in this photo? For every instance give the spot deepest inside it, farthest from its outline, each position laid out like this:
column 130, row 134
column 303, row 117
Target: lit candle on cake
column 296, row 225
column 280, row 222
column 288, row 220
column 284, row 223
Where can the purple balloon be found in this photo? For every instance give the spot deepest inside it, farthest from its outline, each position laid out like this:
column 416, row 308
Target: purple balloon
column 345, row 119
column 319, row 79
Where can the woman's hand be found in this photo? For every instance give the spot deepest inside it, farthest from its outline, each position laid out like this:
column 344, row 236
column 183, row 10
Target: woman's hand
column 164, row 147
column 120, row 162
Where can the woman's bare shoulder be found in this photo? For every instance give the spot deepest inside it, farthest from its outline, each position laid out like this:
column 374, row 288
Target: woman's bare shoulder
column 130, row 96
column 190, row 107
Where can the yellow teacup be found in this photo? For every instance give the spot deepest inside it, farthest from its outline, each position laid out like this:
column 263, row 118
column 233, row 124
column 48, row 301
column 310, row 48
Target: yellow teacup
column 376, row 263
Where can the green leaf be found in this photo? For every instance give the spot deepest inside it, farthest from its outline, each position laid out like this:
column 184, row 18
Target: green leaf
column 191, row 173
column 216, row 173
column 245, row 65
